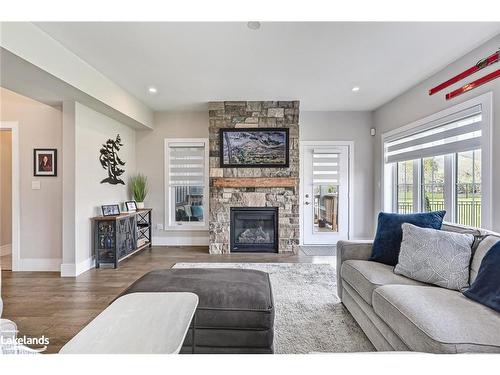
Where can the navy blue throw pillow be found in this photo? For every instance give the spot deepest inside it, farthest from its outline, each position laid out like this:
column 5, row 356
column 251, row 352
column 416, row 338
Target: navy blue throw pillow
column 389, row 235
column 486, row 288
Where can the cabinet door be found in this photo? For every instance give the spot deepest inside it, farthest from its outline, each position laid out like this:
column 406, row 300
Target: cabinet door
column 130, row 234
column 105, row 240
column 121, row 247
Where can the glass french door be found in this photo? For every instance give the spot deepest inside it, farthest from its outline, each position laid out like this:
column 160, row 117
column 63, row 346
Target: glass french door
column 325, row 194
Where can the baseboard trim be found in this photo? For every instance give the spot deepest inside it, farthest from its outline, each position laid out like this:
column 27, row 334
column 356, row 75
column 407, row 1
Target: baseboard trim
column 181, row 241
column 73, row 270
column 39, row 264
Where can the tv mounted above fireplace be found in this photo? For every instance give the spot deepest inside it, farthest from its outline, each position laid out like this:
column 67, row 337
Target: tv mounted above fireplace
column 254, row 148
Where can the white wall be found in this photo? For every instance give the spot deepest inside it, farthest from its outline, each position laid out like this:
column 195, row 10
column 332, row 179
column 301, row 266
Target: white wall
column 32, row 44
column 40, row 126
column 92, row 129
column 416, row 104
column 150, row 161
column 348, row 126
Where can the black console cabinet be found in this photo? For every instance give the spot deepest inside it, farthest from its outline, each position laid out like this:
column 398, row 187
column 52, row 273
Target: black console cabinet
column 118, row 237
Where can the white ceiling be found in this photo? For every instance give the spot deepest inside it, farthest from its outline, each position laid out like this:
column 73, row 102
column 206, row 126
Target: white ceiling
column 316, row 63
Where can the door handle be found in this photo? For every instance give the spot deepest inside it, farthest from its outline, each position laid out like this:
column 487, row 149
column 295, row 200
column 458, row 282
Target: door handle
column 307, row 203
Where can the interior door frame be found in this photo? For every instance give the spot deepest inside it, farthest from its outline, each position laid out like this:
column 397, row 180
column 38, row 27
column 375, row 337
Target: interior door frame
column 350, row 155
column 16, row 205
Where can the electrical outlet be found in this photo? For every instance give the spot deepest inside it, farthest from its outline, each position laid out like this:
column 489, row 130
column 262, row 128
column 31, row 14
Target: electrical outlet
column 159, row 226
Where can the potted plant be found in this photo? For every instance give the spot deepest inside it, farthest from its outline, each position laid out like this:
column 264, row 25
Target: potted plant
column 139, row 187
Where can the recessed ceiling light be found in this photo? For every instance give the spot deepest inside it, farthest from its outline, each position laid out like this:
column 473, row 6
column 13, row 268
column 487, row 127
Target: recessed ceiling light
column 152, row 90
column 253, row 25
column 355, row 89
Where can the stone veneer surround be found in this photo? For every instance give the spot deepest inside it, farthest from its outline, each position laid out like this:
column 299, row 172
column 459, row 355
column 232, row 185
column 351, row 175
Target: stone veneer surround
column 254, row 114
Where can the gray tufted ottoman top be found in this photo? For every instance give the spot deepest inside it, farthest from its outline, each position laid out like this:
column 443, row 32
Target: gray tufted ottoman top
column 229, row 298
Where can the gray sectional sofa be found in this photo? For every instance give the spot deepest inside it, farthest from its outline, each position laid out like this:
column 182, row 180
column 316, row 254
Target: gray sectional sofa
column 397, row 313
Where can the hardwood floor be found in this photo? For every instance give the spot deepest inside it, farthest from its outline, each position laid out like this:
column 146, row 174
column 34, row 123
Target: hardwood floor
column 42, row 303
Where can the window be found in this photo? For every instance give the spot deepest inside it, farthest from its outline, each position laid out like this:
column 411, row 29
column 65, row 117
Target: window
column 436, row 181
column 440, row 163
column 468, row 188
column 186, row 183
column 433, row 188
column 405, row 187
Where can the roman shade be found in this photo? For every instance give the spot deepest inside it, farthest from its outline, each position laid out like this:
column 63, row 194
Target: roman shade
column 458, row 132
column 325, row 167
column 186, row 164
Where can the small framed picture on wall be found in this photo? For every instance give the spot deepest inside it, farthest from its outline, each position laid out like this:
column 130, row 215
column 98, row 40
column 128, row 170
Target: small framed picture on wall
column 45, row 162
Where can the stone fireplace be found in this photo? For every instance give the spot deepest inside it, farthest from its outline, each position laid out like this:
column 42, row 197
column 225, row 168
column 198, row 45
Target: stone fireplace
column 254, row 229
column 254, row 188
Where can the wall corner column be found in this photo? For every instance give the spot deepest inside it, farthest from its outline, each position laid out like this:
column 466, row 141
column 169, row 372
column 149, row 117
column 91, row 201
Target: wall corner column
column 68, row 266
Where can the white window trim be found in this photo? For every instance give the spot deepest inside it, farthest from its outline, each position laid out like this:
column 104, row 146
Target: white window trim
column 387, row 174
column 185, row 226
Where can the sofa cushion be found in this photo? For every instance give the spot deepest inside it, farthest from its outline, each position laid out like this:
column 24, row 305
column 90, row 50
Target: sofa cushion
column 435, row 257
column 389, row 233
column 482, row 248
column 486, row 288
column 458, row 228
column 365, row 276
column 380, row 334
column 437, row 320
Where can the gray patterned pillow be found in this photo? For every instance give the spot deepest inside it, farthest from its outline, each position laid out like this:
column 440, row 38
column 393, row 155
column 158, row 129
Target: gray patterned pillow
column 435, row 257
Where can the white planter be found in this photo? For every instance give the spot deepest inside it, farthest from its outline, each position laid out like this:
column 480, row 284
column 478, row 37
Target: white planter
column 140, row 204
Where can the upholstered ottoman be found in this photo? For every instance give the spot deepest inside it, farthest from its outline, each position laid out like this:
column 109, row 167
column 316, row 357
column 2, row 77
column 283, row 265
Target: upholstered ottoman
column 235, row 313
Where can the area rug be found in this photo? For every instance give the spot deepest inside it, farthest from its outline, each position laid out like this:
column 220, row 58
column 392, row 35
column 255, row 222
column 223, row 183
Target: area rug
column 309, row 316
column 319, row 250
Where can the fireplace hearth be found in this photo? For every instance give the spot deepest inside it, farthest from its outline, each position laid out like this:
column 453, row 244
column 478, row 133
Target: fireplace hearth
column 254, row 229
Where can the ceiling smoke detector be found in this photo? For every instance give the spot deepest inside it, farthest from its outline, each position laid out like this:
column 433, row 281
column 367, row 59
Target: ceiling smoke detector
column 253, row 25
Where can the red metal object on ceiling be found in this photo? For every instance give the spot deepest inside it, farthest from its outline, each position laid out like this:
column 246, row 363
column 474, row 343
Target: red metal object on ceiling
column 478, row 82
column 480, row 65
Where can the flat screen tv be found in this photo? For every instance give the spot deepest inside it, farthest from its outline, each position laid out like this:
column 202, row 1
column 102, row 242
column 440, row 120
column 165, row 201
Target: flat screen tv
column 254, row 148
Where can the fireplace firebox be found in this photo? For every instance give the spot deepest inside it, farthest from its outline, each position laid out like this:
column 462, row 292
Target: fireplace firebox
column 254, row 229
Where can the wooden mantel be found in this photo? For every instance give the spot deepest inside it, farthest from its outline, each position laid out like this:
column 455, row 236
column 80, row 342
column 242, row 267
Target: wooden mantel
column 258, row 182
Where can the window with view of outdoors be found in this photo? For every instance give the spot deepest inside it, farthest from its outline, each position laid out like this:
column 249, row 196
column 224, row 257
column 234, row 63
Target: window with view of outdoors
column 439, row 162
column 186, row 162
column 405, row 187
column 468, row 189
column 463, row 170
column 433, row 184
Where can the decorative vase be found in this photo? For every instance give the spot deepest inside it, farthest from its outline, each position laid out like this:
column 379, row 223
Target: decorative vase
column 140, row 204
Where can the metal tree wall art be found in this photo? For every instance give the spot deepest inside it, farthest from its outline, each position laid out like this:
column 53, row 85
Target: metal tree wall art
column 111, row 161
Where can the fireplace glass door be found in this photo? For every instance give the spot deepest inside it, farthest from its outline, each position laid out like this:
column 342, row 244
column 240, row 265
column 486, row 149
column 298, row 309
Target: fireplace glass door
column 254, row 229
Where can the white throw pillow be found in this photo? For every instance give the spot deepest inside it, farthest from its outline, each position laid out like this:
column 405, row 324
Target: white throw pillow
column 435, row 257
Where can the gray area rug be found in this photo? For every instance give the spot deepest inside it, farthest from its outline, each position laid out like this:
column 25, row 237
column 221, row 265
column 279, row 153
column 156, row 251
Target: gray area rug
column 309, row 316
column 319, row 250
